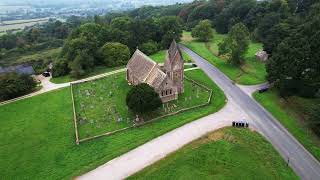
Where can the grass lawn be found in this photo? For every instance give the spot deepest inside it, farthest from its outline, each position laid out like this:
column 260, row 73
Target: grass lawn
column 160, row 56
column 252, row 72
column 38, row 141
column 101, row 104
column 97, row 70
column 288, row 113
column 228, row 153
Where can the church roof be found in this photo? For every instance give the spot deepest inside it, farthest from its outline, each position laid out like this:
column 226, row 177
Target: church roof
column 145, row 69
column 140, row 65
column 156, row 77
column 20, row 69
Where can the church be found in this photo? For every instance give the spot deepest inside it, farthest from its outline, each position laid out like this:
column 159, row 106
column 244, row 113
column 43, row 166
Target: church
column 167, row 80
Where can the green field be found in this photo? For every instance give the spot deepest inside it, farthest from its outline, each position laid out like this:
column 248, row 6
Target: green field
column 101, row 107
column 289, row 113
column 251, row 72
column 21, row 24
column 228, row 153
column 17, row 58
column 160, row 56
column 38, row 141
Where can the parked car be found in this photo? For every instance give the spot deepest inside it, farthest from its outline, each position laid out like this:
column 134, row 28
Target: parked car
column 263, row 90
column 46, row 74
column 240, row 124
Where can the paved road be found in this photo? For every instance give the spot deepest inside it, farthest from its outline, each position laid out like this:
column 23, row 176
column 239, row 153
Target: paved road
column 304, row 164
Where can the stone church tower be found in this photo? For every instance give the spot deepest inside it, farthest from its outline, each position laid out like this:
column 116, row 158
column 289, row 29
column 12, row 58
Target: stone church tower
column 167, row 81
column 173, row 66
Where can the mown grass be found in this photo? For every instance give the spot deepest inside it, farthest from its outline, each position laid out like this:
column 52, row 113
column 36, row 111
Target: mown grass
column 160, row 56
column 228, row 153
column 251, row 72
column 289, row 113
column 37, row 135
column 101, row 104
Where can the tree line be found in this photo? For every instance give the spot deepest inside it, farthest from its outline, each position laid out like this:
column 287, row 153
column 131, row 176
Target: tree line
column 110, row 43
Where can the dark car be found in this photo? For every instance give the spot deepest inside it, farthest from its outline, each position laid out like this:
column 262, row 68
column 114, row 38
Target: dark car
column 263, row 90
column 46, row 74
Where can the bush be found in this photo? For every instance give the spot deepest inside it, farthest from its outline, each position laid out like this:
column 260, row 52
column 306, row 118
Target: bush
column 203, row 31
column 114, row 54
column 14, row 85
column 60, row 68
column 142, row 99
column 149, row 48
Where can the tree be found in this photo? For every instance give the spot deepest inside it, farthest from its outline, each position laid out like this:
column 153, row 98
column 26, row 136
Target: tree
column 60, row 68
column 236, row 44
column 266, row 24
column 142, row 99
column 275, row 35
column 114, row 54
column 170, row 28
column 82, row 63
column 203, row 31
column 294, row 65
column 314, row 118
column 14, row 85
column 149, row 48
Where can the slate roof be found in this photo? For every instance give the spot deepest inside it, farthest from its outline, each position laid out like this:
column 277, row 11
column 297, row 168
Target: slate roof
column 155, row 78
column 140, row 65
column 146, row 70
column 20, row 69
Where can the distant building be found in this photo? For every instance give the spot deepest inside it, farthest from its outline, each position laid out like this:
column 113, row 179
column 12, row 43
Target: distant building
column 262, row 56
column 167, row 80
column 20, row 69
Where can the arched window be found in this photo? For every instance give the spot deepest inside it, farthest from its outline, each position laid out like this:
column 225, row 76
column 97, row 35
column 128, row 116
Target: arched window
column 170, row 91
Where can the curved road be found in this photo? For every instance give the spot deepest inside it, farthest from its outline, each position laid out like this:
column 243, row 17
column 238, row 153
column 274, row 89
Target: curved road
column 303, row 163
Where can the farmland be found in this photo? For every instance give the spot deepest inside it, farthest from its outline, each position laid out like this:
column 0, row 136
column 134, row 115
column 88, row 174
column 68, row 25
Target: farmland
column 16, row 25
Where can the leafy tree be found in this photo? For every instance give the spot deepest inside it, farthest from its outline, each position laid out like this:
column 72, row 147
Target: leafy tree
column 82, row 63
column 314, row 118
column 275, row 35
column 142, row 99
column 14, row 85
column 114, row 54
column 170, row 28
column 236, row 44
column 294, row 65
column 60, row 68
column 266, row 24
column 149, row 48
column 203, row 31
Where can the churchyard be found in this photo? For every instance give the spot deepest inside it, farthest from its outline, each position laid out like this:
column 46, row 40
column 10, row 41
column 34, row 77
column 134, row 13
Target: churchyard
column 100, row 106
